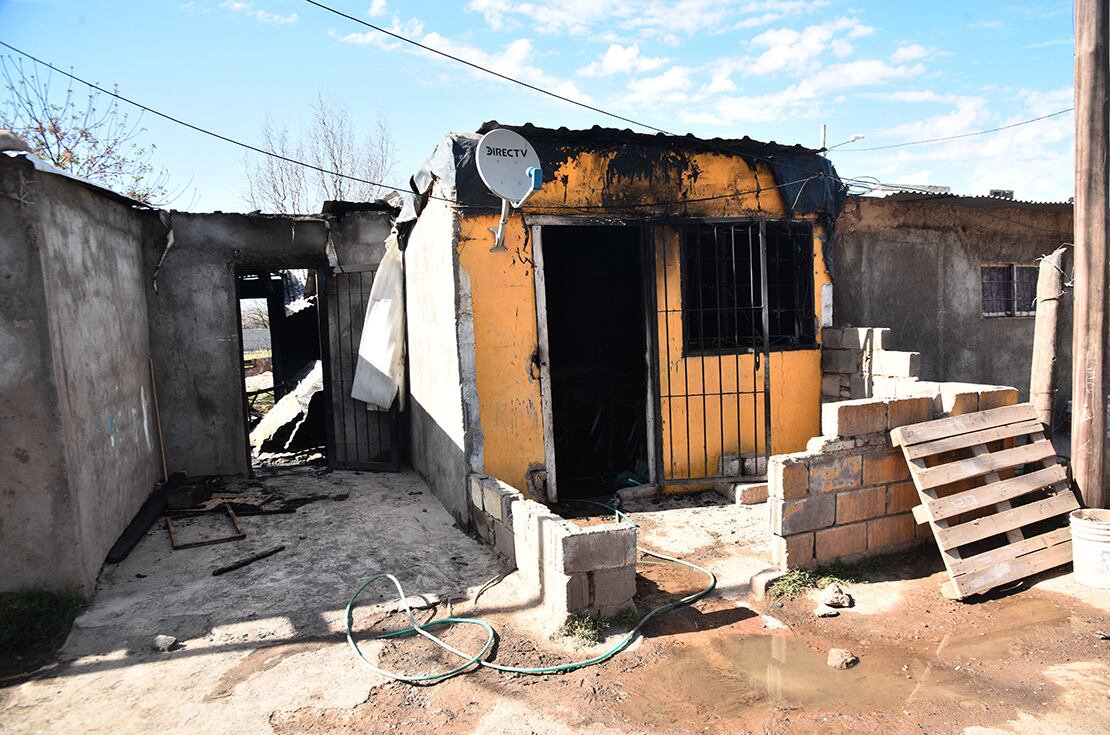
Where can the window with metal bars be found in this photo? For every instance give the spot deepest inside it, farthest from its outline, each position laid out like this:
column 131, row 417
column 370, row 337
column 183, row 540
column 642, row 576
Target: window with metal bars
column 1009, row 290
column 722, row 294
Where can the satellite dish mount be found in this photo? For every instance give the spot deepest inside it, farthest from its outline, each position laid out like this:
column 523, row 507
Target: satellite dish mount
column 510, row 168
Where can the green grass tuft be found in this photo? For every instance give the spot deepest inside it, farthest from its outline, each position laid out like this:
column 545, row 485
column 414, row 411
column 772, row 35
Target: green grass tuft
column 588, row 629
column 36, row 621
column 797, row 581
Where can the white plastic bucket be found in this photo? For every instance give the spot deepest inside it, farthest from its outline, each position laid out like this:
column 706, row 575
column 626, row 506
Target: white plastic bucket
column 1090, row 547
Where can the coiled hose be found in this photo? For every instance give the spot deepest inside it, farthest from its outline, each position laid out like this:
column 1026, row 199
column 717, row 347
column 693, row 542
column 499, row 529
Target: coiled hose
column 469, row 660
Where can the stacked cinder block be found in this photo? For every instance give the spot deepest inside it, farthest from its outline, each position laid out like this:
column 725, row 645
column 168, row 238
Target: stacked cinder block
column 572, row 569
column 856, row 362
column 491, row 513
column 849, row 495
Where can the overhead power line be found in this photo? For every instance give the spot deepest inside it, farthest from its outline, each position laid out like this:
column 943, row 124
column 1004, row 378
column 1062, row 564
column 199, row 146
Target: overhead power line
column 542, row 90
column 197, row 128
column 957, row 137
column 272, row 154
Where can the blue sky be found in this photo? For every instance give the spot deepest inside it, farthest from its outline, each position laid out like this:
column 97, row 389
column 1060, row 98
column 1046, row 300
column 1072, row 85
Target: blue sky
column 770, row 69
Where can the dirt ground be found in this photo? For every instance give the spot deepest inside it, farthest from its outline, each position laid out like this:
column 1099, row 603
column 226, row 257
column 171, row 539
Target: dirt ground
column 262, row 650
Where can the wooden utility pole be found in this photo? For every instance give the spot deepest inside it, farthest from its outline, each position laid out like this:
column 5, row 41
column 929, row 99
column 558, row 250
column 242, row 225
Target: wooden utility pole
column 1092, row 210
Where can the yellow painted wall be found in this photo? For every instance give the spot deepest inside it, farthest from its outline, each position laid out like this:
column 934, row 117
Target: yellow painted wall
column 502, row 297
column 700, row 394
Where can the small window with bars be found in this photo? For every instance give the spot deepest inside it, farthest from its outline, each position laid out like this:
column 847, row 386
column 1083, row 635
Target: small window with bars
column 1009, row 290
column 722, row 294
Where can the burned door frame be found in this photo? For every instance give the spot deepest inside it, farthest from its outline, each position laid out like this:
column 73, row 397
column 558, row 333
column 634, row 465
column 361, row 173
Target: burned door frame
column 321, row 322
column 541, row 357
column 650, row 229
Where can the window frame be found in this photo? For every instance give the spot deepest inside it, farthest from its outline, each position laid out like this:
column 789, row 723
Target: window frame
column 1014, row 312
column 805, row 267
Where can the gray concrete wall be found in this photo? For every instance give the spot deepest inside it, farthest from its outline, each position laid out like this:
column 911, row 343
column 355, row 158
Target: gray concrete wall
column 194, row 326
column 37, row 510
column 914, row 267
column 437, row 425
column 80, row 445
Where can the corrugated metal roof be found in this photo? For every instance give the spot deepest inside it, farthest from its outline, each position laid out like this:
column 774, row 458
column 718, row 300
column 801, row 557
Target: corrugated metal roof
column 979, row 201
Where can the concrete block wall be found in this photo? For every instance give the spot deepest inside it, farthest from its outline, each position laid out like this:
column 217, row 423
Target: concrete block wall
column 849, row 495
column 855, row 359
column 572, row 569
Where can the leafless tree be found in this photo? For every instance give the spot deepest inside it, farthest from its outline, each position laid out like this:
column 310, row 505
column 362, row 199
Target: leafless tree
column 89, row 136
column 329, row 141
column 255, row 314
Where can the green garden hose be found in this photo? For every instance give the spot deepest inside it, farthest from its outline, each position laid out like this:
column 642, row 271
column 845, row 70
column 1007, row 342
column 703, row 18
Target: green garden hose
column 416, row 628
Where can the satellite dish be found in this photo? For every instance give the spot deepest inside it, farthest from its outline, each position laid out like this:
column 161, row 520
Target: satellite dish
column 510, row 168
column 508, row 165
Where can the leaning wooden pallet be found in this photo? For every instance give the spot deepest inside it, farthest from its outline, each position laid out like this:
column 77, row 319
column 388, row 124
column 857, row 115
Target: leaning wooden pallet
column 993, row 493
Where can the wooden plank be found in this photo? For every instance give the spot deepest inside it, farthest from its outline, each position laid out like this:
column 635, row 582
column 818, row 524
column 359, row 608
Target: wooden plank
column 963, row 441
column 1000, row 574
column 964, row 424
column 1010, row 552
column 947, row 555
column 984, row 464
column 980, row 497
column 1015, row 535
column 1007, row 520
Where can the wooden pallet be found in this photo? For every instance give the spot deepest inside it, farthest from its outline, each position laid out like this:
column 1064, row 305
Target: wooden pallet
column 984, row 478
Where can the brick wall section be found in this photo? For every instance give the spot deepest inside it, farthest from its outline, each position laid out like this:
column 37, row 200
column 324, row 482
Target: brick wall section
column 854, row 359
column 849, row 495
column 571, row 569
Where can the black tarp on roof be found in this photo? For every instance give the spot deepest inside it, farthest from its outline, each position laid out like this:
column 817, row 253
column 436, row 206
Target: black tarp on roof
column 808, row 181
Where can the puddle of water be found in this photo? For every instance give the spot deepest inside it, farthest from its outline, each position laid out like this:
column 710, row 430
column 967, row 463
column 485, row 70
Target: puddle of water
column 1009, row 620
column 722, row 678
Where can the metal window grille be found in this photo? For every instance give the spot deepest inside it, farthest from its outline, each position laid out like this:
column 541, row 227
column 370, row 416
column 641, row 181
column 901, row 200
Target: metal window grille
column 1009, row 290
column 722, row 301
column 1025, row 290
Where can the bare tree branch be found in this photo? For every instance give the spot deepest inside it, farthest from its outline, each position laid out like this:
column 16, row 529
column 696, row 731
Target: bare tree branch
column 329, row 141
column 96, row 140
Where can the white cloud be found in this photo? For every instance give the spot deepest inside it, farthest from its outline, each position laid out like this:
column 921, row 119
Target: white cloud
column 662, row 20
column 516, row 59
column 912, row 52
column 781, row 49
column 670, row 87
column 1035, row 160
column 619, row 59
column 263, row 16
column 411, row 28
column 863, row 73
column 377, row 9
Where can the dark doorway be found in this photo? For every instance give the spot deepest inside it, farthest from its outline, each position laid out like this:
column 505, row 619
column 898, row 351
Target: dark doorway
column 596, row 324
column 284, row 391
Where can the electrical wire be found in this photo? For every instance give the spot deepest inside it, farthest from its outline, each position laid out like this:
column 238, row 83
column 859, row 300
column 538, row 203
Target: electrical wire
column 197, row 128
column 956, row 137
column 547, row 92
column 287, row 159
column 469, row 660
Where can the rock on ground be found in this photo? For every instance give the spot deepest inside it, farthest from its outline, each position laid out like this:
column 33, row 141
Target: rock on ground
column 835, row 596
column 841, row 658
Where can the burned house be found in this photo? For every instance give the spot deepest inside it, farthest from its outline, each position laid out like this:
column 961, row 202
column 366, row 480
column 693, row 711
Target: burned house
column 657, row 318
column 652, row 315
column 123, row 355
